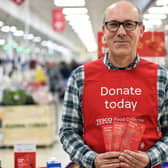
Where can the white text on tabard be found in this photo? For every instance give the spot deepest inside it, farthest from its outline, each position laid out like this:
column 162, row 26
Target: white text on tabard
column 123, row 103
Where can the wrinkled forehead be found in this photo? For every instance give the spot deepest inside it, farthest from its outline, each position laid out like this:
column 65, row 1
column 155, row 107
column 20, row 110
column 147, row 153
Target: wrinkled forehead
column 121, row 12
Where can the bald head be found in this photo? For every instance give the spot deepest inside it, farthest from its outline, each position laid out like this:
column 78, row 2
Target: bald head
column 125, row 6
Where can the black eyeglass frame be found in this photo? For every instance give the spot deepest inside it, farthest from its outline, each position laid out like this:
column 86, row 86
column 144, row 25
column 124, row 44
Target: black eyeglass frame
column 123, row 24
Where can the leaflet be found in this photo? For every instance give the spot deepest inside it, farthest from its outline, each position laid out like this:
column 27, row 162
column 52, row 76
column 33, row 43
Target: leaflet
column 120, row 136
column 132, row 136
column 107, row 135
column 118, row 132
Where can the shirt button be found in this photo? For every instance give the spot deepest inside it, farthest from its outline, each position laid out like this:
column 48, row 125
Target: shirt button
column 110, row 65
column 142, row 145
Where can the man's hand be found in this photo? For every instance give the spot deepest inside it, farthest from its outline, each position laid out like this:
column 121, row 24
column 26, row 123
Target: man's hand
column 107, row 160
column 130, row 159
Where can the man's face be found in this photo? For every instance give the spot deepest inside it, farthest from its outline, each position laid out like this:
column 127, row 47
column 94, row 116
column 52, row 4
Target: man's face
column 122, row 42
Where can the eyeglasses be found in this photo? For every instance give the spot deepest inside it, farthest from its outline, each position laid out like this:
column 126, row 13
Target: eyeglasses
column 128, row 25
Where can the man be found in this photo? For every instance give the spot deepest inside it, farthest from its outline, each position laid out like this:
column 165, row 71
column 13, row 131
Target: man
column 87, row 106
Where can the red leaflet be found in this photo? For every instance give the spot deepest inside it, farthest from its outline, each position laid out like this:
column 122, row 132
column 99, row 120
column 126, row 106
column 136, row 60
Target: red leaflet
column 132, row 136
column 118, row 132
column 107, row 135
column 123, row 135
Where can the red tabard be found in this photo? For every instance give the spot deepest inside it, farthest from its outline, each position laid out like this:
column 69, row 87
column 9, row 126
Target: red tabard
column 120, row 95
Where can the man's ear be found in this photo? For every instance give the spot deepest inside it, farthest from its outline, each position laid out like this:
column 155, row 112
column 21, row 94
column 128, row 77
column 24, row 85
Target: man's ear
column 103, row 30
column 142, row 30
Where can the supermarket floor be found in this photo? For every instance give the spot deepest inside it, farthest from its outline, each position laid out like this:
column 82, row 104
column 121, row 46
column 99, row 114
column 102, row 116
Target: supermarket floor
column 42, row 153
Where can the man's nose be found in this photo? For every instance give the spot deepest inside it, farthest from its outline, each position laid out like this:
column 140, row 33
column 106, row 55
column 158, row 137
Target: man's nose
column 121, row 31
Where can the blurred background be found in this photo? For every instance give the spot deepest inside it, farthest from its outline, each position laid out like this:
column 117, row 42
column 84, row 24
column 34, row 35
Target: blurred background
column 41, row 43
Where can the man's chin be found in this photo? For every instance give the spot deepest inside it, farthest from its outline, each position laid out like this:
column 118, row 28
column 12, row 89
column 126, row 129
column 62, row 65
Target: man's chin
column 122, row 52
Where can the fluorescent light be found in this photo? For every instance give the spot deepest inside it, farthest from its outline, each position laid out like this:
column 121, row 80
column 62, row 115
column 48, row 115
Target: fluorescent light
column 89, row 41
column 154, row 16
column 5, row 29
column 37, row 39
column 69, row 2
column 150, row 25
column 161, row 2
column 28, row 36
column 18, row 33
column 81, row 28
column 156, row 10
column 73, row 11
column 84, row 30
column 76, row 17
column 44, row 43
column 156, row 22
column 13, row 29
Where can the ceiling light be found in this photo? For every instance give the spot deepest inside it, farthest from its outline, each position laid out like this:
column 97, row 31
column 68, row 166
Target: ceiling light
column 154, row 16
column 81, row 28
column 13, row 29
column 69, row 2
column 76, row 17
column 37, row 39
column 73, row 11
column 89, row 41
column 5, row 29
column 50, row 44
column 84, row 30
column 28, row 36
column 18, row 33
column 156, row 22
column 161, row 2
column 156, row 10
column 44, row 43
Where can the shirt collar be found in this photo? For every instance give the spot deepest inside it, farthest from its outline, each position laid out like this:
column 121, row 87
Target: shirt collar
column 112, row 67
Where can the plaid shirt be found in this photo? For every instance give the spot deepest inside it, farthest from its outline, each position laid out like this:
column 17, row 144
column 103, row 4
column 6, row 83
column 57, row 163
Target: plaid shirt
column 71, row 132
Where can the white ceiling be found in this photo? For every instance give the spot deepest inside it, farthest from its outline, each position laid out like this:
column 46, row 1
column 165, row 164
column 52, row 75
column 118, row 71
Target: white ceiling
column 12, row 14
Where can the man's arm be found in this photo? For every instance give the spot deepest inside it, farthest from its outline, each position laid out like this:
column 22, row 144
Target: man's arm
column 159, row 152
column 71, row 132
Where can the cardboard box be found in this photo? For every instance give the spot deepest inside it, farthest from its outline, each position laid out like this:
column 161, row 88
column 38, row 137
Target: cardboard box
column 28, row 124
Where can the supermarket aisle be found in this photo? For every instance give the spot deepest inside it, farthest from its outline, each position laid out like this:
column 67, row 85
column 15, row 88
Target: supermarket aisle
column 42, row 154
